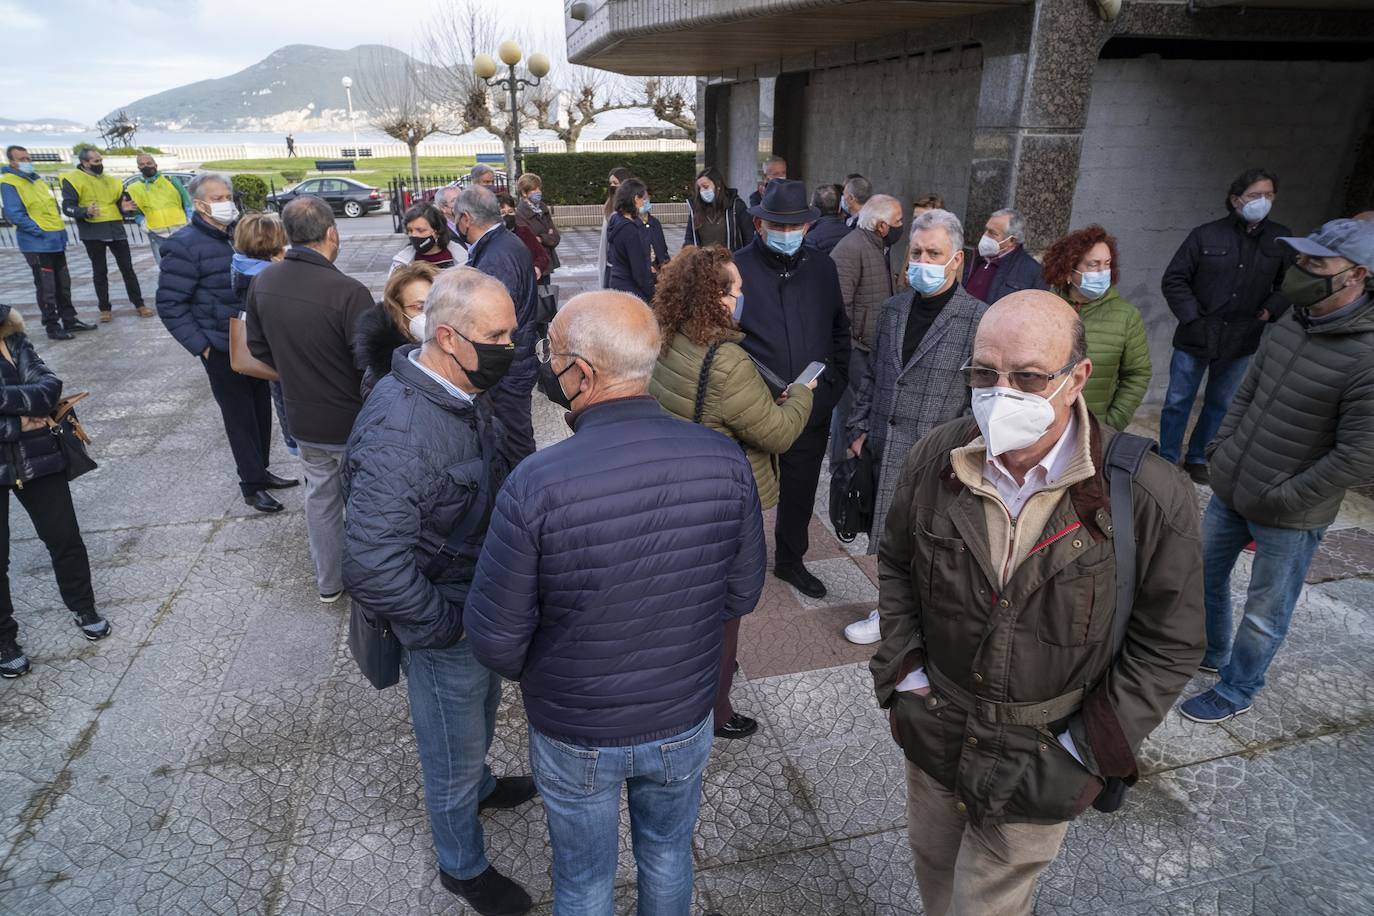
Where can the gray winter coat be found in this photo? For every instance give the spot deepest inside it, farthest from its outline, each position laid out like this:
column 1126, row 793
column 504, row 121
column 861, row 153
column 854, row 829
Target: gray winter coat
column 865, row 283
column 1301, row 429
column 897, row 405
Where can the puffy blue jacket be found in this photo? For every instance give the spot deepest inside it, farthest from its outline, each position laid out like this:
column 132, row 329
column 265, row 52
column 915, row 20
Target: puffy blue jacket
column 195, row 292
column 629, row 243
column 412, row 473
column 502, row 255
column 612, row 562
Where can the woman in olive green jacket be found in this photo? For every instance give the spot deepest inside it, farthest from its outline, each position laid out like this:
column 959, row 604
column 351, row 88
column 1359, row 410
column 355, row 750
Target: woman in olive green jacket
column 1082, row 267
column 704, row 376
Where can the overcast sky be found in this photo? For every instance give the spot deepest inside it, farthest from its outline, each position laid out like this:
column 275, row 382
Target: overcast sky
column 71, row 58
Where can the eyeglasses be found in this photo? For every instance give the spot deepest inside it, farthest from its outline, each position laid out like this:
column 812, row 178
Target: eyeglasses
column 1029, row 382
column 543, row 351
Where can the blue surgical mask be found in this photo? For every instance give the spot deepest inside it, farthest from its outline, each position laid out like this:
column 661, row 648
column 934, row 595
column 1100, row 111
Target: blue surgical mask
column 739, row 307
column 646, row 206
column 927, row 278
column 708, row 196
column 786, row 242
column 27, row 168
column 844, row 206
column 1094, row 282
column 535, row 196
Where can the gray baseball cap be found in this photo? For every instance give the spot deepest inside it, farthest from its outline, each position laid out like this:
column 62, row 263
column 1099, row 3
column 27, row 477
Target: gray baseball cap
column 1351, row 239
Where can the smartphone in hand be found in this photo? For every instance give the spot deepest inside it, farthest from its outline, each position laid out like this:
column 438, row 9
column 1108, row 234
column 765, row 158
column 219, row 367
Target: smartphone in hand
column 810, row 374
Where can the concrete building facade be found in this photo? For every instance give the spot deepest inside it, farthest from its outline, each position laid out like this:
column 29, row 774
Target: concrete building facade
column 1136, row 115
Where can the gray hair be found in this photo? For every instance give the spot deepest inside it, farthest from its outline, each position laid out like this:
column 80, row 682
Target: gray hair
column 479, row 170
column 445, row 195
column 307, row 220
column 825, row 199
column 453, row 299
column 480, row 204
column 1079, row 351
column 940, row 219
column 1016, row 223
column 197, row 186
column 859, row 188
column 86, row 154
column 881, row 208
column 613, row 349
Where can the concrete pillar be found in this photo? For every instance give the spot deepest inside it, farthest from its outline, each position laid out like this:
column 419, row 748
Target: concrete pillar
column 1032, row 108
column 767, row 104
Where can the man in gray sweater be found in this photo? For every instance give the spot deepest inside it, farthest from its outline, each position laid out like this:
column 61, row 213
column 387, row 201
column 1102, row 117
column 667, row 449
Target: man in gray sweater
column 1299, row 432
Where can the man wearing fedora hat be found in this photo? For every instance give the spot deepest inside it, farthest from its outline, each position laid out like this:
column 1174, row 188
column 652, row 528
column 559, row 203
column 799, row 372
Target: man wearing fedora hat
column 794, row 315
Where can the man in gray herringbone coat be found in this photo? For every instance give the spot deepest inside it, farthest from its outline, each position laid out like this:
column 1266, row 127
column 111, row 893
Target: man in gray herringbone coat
column 912, row 382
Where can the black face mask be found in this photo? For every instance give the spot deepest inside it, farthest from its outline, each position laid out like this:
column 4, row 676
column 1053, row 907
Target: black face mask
column 894, row 235
column 98, row 169
column 1305, row 289
column 422, row 244
column 548, row 383
column 493, row 362
column 148, row 171
column 509, row 221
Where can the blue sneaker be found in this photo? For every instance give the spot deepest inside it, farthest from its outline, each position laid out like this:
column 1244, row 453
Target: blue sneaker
column 293, row 451
column 1211, row 707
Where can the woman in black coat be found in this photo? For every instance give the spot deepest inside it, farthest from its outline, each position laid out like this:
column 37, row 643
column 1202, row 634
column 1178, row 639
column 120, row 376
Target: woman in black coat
column 381, row 330
column 629, row 242
column 32, row 467
column 716, row 215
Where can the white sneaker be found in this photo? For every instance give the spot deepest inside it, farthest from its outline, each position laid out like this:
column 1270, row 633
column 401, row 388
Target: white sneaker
column 864, row 632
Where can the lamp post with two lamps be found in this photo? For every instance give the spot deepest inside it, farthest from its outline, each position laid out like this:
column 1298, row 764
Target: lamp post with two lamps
column 484, row 67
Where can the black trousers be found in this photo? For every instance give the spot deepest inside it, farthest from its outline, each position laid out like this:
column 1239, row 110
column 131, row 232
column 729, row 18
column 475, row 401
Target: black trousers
column 52, row 283
column 799, row 472
column 48, row 500
column 510, row 402
column 100, row 270
column 245, row 403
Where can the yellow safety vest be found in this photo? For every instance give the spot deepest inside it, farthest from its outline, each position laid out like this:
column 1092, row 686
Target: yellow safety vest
column 104, row 190
column 38, row 201
column 159, row 201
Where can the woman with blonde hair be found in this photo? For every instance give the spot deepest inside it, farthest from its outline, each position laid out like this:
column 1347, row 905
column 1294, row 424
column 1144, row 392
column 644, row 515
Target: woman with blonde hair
column 396, row 321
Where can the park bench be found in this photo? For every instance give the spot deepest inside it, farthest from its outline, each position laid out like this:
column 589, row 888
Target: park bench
column 47, row 157
column 350, row 153
column 334, row 165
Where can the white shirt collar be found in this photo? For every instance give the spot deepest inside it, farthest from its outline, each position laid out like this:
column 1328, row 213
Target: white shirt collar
column 1044, row 475
column 448, row 386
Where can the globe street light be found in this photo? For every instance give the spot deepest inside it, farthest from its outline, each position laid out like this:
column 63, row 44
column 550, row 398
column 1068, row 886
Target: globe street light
column 348, row 90
column 485, row 69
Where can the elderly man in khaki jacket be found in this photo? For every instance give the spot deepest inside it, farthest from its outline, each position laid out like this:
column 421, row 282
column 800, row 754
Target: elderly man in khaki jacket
column 997, row 592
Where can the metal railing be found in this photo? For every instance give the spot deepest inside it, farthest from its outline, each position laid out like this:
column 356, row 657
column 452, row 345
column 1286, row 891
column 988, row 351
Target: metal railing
column 209, row 153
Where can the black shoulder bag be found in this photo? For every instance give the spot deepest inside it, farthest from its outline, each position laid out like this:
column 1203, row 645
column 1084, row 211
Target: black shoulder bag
column 1125, row 454
column 375, row 648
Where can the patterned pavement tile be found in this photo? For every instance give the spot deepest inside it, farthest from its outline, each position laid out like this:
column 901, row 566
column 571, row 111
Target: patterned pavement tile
column 804, row 640
column 845, row 583
column 810, row 881
column 820, row 706
column 1337, row 770
column 857, row 786
column 1343, row 554
column 881, row 874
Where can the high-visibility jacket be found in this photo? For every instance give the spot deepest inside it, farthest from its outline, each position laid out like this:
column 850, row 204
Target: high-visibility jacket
column 159, row 200
column 37, row 199
column 103, row 190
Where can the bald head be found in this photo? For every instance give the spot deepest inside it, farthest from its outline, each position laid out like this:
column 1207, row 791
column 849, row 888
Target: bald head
column 615, row 335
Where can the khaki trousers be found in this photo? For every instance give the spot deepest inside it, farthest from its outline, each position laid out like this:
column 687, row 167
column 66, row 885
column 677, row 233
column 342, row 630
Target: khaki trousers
column 964, row 869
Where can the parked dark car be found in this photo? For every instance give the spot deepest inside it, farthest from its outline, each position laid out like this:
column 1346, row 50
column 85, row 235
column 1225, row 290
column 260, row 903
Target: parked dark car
column 348, row 197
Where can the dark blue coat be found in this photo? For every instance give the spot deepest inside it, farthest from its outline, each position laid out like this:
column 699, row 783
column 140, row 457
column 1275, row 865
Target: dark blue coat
column 612, row 561
column 412, row 473
column 1016, row 271
column 629, row 244
column 794, row 315
column 502, row 255
column 195, row 294
column 826, row 233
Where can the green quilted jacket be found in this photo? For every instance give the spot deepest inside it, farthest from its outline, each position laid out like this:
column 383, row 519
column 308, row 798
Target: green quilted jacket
column 1121, row 357
column 737, row 403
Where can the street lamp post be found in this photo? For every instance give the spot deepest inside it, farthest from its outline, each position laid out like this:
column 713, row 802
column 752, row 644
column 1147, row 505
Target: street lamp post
column 348, row 90
column 485, row 69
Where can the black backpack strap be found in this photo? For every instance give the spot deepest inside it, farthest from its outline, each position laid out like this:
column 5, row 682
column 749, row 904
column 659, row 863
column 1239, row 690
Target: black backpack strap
column 702, row 378
column 1125, row 454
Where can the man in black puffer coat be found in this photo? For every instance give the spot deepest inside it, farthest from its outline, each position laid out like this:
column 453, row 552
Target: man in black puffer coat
column 421, row 472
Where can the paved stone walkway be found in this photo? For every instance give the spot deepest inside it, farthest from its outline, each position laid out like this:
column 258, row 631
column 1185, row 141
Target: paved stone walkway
column 220, row 754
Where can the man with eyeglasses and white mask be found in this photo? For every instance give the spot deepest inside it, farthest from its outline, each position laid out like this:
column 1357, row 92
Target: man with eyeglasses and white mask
column 997, row 591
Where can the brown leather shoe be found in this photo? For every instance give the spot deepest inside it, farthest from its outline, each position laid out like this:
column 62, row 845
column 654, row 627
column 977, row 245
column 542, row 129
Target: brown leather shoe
column 145, row 312
column 106, row 316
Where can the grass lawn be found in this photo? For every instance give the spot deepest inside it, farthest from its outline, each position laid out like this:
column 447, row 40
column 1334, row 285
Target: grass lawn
column 376, row 171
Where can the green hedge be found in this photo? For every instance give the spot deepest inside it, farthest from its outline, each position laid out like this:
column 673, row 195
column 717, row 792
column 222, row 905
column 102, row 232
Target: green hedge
column 250, row 189
column 116, row 150
column 580, row 178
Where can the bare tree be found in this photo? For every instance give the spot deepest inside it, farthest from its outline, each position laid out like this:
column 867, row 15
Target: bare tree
column 672, row 99
column 391, row 88
column 456, row 34
column 585, row 94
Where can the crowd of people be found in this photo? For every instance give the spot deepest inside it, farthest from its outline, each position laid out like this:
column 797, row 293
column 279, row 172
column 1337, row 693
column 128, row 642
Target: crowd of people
column 1046, row 587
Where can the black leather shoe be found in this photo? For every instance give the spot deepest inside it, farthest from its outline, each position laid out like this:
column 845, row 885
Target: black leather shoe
column 510, row 792
column 280, row 483
column 801, row 580
column 76, row 324
column 59, row 334
column 737, row 727
column 490, row 893
column 263, row 501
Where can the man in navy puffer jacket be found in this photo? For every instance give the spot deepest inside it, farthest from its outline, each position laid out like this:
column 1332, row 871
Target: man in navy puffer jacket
column 612, row 562
column 421, row 469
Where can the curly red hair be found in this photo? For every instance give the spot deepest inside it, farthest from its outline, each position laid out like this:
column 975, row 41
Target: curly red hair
column 1062, row 259
column 688, row 293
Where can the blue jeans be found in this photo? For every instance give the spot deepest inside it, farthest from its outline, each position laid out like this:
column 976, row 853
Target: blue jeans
column 1185, row 375
column 1282, row 556
column 453, row 704
column 581, row 791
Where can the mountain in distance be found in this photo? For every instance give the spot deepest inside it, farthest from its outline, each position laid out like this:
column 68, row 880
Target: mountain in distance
column 41, row 126
column 294, row 88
